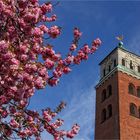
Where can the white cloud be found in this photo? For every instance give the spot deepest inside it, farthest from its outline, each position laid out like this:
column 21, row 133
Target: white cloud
column 81, row 110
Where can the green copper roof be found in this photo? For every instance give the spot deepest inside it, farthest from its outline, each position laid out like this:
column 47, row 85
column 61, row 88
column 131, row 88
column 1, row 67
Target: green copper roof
column 129, row 71
column 122, row 69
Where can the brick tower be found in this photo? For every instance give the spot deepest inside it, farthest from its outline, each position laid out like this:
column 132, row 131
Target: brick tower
column 118, row 96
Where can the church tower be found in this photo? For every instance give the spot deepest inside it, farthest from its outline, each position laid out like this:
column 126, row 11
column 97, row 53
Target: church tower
column 118, row 96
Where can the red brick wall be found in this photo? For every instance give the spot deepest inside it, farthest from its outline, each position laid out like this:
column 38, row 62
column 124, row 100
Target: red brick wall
column 121, row 125
column 129, row 125
column 110, row 128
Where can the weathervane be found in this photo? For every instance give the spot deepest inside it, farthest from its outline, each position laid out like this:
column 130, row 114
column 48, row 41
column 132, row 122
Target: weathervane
column 120, row 39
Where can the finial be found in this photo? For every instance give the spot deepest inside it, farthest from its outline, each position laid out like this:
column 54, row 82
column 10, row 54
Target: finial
column 120, row 44
column 120, row 38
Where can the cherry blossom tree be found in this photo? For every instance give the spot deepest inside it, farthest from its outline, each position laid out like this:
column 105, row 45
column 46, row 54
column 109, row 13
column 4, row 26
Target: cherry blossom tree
column 23, row 29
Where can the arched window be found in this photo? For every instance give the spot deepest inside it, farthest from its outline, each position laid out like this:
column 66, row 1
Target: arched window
column 103, row 115
column 138, row 92
column 133, row 109
column 103, row 95
column 123, row 62
column 109, row 90
column 109, row 111
column 131, row 89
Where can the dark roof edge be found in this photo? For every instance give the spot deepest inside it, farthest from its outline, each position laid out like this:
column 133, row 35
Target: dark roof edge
column 116, row 49
column 108, row 55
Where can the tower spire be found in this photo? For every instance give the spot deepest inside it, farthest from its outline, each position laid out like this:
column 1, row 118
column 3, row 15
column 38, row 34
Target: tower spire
column 117, row 96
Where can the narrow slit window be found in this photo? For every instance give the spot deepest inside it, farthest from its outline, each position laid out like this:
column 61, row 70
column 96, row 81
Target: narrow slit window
column 103, row 115
column 138, row 69
column 103, row 95
column 109, row 90
column 109, row 68
column 131, row 65
column 123, row 62
column 109, row 109
column 114, row 62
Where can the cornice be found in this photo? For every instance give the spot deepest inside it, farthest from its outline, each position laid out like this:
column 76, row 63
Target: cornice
column 121, row 69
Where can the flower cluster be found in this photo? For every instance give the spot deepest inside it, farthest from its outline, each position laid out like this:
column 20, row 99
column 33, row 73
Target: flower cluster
column 23, row 29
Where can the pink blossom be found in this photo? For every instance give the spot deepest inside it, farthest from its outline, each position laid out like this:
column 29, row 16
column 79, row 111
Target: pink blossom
column 36, row 48
column 44, row 28
column 13, row 88
column 24, row 48
column 57, row 123
column 14, row 123
column 7, row 12
column 81, row 54
column 3, row 46
column 37, row 32
column 23, row 103
column 56, row 57
column 24, row 57
column 2, row 6
column 30, row 119
column 8, row 55
column 86, row 49
column 48, row 51
column 50, row 19
column 39, row 83
column 46, row 8
column 54, row 31
column 54, row 17
column 32, row 55
column 3, row 99
column 66, row 70
column 14, row 61
column 57, row 74
column 27, row 77
column 4, row 114
column 47, row 116
column 38, row 138
column 22, row 3
column 74, row 131
column 42, row 71
column 22, row 22
column 77, row 33
column 93, row 49
column 69, row 59
column 73, row 47
column 34, row 1
column 25, row 33
column 96, row 42
column 12, row 109
column 53, row 82
column 49, row 64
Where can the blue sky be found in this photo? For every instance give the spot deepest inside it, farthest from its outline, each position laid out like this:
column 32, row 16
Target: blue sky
column 104, row 19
